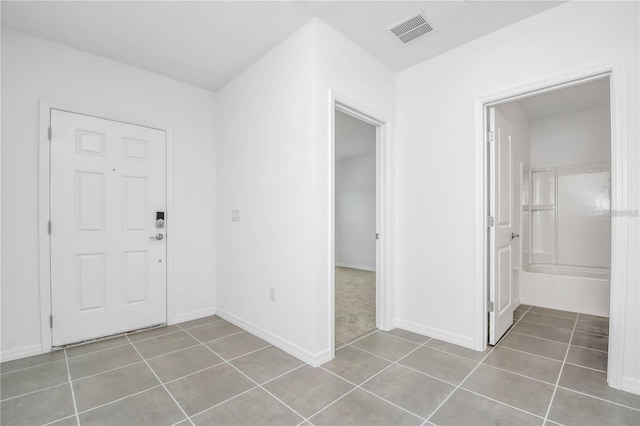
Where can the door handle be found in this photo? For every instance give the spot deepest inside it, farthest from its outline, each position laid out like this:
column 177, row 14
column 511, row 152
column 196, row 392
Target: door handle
column 514, row 235
column 157, row 237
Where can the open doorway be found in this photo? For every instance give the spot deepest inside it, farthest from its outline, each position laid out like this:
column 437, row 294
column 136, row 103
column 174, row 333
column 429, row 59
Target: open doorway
column 355, row 227
column 549, row 231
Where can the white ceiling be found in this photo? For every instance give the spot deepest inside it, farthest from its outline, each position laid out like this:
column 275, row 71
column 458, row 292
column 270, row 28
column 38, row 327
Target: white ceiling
column 207, row 43
column 581, row 97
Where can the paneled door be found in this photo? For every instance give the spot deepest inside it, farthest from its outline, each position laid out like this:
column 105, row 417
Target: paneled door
column 108, row 253
column 501, row 256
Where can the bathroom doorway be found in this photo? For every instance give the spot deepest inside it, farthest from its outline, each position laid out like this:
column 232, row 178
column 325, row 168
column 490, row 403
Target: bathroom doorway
column 549, row 186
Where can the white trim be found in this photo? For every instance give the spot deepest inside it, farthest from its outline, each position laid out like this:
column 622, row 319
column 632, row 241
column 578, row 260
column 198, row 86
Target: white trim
column 314, row 359
column 46, row 105
column 360, row 267
column 631, row 384
column 436, row 333
column 619, row 201
column 189, row 316
column 22, row 352
column 384, row 212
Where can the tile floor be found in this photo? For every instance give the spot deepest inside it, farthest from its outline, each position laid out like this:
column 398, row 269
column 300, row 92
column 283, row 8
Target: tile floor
column 549, row 369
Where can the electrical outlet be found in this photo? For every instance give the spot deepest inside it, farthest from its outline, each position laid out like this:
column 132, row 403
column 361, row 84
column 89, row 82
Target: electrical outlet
column 272, row 293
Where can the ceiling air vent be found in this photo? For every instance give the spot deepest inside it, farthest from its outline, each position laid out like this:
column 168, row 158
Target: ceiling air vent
column 411, row 28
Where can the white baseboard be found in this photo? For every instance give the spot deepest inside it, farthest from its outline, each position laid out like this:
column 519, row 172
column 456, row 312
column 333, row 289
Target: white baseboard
column 22, row 352
column 631, row 384
column 363, row 268
column 436, row 333
column 314, row 359
column 188, row 316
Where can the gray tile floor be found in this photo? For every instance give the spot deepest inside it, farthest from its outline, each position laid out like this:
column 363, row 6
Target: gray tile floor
column 548, row 369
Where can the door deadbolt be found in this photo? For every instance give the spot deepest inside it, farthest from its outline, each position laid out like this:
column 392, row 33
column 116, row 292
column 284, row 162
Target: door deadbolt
column 159, row 220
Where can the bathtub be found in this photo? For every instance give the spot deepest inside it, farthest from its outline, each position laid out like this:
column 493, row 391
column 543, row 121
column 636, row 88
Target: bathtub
column 575, row 289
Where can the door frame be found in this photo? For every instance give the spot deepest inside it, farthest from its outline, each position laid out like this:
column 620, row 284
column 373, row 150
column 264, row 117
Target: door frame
column 384, row 269
column 619, row 201
column 44, row 169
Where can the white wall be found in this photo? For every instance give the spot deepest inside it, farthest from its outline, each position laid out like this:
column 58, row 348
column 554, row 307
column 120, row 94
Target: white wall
column 355, row 214
column 436, row 133
column 578, row 138
column 265, row 163
column 33, row 69
column 273, row 145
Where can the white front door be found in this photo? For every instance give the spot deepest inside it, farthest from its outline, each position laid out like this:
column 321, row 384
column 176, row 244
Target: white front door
column 501, row 256
column 108, row 274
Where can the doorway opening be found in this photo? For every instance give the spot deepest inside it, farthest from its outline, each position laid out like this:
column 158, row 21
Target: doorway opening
column 355, row 227
column 358, row 296
column 551, row 179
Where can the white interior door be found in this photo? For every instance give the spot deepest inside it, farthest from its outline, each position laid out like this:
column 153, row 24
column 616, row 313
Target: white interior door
column 108, row 274
column 501, row 255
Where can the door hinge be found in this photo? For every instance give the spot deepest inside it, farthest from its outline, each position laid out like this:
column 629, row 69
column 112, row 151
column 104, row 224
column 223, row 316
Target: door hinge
column 490, row 306
column 491, row 136
column 377, row 236
column 50, row 321
column 490, row 221
column 49, row 227
column 50, row 133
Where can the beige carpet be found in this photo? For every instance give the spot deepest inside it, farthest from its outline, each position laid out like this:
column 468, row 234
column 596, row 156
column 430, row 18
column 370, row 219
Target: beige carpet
column 355, row 304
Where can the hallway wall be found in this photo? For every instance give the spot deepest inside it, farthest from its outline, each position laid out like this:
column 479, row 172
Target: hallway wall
column 34, row 69
column 436, row 136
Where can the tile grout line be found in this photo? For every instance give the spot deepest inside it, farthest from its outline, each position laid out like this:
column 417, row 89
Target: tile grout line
column 105, row 371
column 458, row 386
column 245, row 375
column 546, row 325
column 371, row 378
column 407, row 340
column 452, row 354
column 599, row 398
column 200, row 342
column 118, row 400
column 33, row 391
column 34, row 366
column 475, row 368
column 502, row 403
column 173, row 352
column 552, row 315
column 555, row 388
column 225, row 401
column 161, row 383
column 195, row 372
column 356, row 386
column 422, row 345
column 531, row 353
column 250, row 353
column 591, row 349
column 518, row 374
column 59, row 420
column 541, row 338
column 73, row 394
column 355, row 339
column 586, row 368
column 410, row 368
